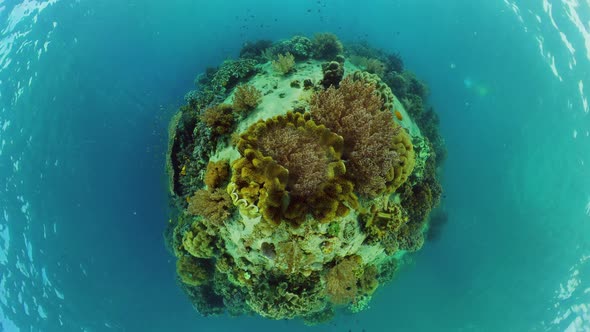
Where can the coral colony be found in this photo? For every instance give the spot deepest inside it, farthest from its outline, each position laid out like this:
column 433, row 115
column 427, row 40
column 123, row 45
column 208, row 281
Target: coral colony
column 301, row 174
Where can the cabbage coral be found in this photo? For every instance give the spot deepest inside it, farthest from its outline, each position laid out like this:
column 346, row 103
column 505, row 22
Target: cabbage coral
column 296, row 203
column 310, row 157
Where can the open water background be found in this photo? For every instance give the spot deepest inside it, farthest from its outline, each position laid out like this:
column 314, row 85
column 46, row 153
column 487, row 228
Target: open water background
column 87, row 88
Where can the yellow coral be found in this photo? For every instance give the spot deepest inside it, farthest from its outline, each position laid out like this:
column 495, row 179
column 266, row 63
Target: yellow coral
column 406, row 160
column 216, row 174
column 284, row 63
column 261, row 181
column 246, row 98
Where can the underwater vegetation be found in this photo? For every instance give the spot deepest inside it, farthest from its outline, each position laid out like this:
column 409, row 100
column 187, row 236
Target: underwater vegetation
column 301, row 174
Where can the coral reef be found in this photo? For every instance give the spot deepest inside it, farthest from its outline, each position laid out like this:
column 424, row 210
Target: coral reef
column 255, row 50
column 297, row 196
column 326, row 46
column 215, row 205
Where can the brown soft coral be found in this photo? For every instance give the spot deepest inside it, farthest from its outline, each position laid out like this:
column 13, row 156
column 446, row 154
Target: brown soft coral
column 354, row 111
column 381, row 88
column 307, row 158
column 341, row 280
column 220, row 118
column 246, row 98
column 215, row 205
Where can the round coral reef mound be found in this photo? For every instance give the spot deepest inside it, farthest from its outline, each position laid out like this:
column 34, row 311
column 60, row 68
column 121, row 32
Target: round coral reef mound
column 299, row 200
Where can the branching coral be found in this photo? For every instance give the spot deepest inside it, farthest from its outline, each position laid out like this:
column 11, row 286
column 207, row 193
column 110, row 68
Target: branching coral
column 380, row 88
column 246, row 98
column 370, row 135
column 418, row 200
column 312, row 180
column 284, row 63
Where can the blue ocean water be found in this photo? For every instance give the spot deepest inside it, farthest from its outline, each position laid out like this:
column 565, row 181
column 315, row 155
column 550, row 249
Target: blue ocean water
column 87, row 89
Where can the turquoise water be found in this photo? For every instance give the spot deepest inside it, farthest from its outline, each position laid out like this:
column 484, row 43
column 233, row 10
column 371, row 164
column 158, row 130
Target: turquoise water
column 87, row 89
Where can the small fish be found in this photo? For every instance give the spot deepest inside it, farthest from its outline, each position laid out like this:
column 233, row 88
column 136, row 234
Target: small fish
column 398, row 115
